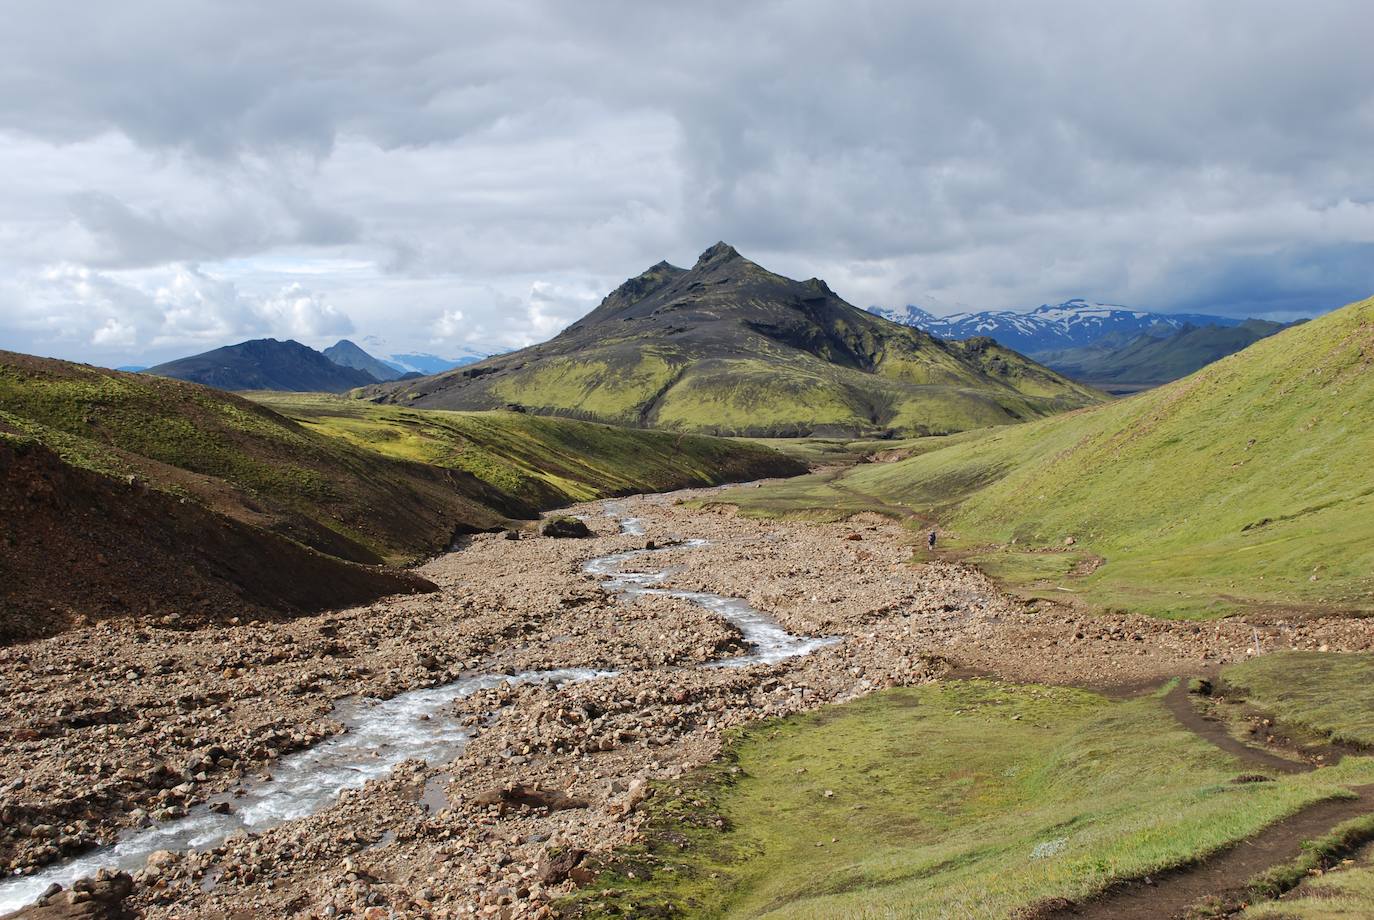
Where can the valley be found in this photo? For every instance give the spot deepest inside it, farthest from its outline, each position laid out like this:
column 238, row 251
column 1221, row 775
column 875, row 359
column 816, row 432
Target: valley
column 643, row 461
column 141, row 724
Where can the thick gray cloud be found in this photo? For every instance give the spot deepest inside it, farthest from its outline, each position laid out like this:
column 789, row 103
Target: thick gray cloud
column 446, row 175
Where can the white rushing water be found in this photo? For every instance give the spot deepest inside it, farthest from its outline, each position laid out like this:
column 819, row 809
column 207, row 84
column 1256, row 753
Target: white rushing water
column 382, row 734
column 768, row 641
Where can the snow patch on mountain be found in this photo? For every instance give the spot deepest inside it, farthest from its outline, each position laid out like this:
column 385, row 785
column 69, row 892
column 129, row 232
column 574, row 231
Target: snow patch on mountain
column 1048, row 327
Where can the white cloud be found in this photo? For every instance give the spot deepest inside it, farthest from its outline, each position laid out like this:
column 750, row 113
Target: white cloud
column 158, row 313
column 449, row 326
column 301, row 314
column 509, row 164
column 115, row 334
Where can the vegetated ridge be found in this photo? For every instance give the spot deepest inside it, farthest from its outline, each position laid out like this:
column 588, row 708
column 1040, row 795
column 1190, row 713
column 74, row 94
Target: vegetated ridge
column 266, row 364
column 1119, row 363
column 728, row 347
column 178, row 487
column 1245, row 485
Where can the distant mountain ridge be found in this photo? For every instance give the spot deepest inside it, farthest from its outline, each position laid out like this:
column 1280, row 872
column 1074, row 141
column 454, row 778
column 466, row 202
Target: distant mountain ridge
column 266, row 364
column 425, row 364
column 728, row 347
column 349, row 354
column 1049, row 327
column 1122, row 363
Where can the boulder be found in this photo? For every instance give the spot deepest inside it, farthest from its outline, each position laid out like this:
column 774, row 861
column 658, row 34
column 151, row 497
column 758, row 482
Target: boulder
column 564, row 526
column 556, row 865
column 98, row 898
column 530, row 797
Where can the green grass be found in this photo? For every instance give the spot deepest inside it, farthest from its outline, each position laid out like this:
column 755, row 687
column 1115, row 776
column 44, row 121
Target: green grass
column 602, row 390
column 1344, row 894
column 1327, row 694
column 364, row 482
column 543, row 459
column 1243, row 485
column 959, row 799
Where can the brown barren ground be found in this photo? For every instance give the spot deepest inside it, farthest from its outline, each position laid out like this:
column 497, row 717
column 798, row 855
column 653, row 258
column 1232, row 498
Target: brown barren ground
column 97, row 719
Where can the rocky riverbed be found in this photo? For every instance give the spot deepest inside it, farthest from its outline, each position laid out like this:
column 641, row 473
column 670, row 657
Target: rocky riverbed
column 122, row 727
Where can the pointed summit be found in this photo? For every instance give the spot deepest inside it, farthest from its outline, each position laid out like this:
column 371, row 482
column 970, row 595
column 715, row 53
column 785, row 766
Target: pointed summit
column 721, row 252
column 731, row 348
column 632, row 291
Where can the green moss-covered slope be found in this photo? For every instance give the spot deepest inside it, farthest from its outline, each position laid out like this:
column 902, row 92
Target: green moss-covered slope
column 1246, row 484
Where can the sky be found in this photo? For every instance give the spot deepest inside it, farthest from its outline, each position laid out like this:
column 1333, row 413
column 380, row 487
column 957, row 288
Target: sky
column 450, row 177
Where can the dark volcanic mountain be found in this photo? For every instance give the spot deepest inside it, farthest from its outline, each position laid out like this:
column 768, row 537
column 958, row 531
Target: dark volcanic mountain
column 729, row 347
column 1122, row 364
column 348, row 354
column 266, row 364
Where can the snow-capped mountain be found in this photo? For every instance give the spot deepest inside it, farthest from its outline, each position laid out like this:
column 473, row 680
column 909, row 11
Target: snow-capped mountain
column 1049, row 327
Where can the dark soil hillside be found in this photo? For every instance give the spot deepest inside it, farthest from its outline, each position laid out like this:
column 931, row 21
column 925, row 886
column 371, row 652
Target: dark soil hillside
column 80, row 547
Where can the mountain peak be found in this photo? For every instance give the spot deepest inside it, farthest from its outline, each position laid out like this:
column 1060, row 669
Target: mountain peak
column 721, row 252
column 266, row 364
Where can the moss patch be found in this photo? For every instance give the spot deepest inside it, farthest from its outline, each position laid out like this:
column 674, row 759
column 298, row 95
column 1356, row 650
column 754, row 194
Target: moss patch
column 966, row 798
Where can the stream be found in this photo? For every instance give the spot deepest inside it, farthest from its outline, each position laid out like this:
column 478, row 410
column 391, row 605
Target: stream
column 382, row 734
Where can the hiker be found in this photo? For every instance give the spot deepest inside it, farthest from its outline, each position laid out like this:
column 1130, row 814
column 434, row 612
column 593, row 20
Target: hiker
column 930, row 541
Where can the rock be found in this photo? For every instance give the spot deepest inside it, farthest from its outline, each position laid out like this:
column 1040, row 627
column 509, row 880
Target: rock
column 564, row 526
column 98, row 898
column 161, row 859
column 221, row 808
column 530, row 797
column 638, row 791
column 556, row 865
column 511, row 535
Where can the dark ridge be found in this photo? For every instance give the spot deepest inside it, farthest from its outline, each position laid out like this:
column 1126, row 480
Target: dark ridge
column 266, row 364
column 731, row 348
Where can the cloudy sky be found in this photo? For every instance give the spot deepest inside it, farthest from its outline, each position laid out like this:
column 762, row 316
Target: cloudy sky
column 447, row 176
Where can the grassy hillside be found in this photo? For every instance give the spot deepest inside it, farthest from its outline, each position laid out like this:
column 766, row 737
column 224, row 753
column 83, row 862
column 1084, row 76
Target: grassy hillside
column 964, row 798
column 546, row 461
column 352, row 482
column 728, row 347
column 1150, row 359
column 244, row 460
column 1244, row 485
